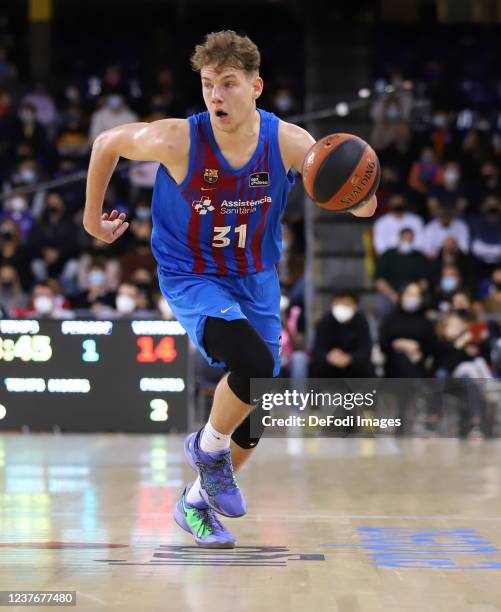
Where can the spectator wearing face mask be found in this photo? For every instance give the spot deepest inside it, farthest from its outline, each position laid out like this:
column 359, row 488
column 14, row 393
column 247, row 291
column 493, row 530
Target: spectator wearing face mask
column 130, row 302
column 126, row 300
column 54, row 226
column 462, row 305
column 99, row 251
column 97, row 293
column 26, row 174
column 407, row 337
column 396, row 268
column 447, row 225
column 486, row 234
column 449, row 188
column 450, row 281
column 16, row 209
column 387, row 229
column 30, row 131
column 343, row 345
column 283, row 102
column 53, row 245
column 11, row 293
column 46, row 303
column 388, row 113
column 115, row 112
column 451, row 255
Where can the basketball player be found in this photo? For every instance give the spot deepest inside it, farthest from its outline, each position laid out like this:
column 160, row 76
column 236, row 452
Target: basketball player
column 219, row 194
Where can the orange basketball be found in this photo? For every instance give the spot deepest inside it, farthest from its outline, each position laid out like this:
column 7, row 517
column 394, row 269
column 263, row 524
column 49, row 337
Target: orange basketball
column 340, row 171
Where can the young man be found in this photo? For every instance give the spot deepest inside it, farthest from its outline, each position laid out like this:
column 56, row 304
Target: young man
column 218, row 198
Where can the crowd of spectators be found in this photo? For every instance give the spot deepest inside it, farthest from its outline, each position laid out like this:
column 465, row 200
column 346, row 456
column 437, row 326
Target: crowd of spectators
column 436, row 249
column 436, row 236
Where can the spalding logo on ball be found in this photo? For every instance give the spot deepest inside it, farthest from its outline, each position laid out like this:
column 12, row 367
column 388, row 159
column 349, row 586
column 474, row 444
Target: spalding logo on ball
column 341, row 171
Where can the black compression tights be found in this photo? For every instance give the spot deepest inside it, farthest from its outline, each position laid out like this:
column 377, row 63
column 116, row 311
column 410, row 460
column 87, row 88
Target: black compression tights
column 246, row 355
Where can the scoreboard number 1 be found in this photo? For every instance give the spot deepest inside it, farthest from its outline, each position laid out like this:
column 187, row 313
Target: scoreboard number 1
column 90, row 354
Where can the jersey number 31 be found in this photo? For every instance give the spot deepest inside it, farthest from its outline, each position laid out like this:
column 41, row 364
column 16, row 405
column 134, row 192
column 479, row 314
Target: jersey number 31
column 221, row 239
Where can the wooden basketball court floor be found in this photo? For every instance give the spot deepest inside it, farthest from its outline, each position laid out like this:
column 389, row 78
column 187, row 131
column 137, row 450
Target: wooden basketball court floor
column 345, row 525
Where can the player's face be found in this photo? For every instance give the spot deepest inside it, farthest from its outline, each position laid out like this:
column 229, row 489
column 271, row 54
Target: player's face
column 230, row 96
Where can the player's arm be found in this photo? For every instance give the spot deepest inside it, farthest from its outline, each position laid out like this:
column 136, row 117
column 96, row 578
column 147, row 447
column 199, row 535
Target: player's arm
column 165, row 141
column 295, row 142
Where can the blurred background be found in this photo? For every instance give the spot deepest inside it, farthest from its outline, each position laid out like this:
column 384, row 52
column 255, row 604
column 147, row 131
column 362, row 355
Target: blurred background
column 414, row 292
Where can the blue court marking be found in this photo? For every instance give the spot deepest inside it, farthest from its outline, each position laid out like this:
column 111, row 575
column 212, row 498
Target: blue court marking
column 420, row 548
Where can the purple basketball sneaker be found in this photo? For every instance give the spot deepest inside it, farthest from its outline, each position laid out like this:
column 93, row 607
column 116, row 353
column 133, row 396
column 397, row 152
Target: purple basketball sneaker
column 219, row 487
column 203, row 524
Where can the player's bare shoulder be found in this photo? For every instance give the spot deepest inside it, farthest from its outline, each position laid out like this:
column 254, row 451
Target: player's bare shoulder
column 294, row 144
column 166, row 141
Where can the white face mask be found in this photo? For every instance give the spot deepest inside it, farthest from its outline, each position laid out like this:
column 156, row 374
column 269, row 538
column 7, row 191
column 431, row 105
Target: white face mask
column 405, row 247
column 342, row 313
column 125, row 304
column 451, row 177
column 411, row 303
column 43, row 304
column 17, row 205
column 28, row 175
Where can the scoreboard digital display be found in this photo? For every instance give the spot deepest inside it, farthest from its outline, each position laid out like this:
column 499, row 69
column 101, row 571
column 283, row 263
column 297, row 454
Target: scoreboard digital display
column 86, row 376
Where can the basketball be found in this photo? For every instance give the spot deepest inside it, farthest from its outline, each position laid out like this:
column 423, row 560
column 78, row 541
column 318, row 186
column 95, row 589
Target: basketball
column 340, row 171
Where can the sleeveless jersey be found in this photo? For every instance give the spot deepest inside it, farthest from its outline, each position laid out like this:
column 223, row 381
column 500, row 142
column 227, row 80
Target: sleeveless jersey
column 221, row 220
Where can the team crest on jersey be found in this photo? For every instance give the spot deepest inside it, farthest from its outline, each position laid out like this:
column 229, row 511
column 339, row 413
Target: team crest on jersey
column 202, row 206
column 211, row 175
column 259, row 179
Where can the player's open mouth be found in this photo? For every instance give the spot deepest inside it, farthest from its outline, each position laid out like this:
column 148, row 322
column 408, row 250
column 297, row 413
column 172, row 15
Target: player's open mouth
column 221, row 114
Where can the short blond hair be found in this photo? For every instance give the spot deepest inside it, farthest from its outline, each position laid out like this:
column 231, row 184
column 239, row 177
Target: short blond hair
column 227, row 49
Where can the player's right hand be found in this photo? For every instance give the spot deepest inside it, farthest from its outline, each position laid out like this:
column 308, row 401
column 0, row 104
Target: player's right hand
column 110, row 227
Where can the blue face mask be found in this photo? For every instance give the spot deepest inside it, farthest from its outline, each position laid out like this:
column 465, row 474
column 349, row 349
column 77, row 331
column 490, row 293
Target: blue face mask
column 97, row 278
column 114, row 102
column 405, row 247
column 448, row 283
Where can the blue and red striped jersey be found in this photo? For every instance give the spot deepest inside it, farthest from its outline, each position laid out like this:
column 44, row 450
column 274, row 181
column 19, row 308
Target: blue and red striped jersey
column 221, row 220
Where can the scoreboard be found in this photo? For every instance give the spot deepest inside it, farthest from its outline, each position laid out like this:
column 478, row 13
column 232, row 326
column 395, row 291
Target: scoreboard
column 86, row 376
